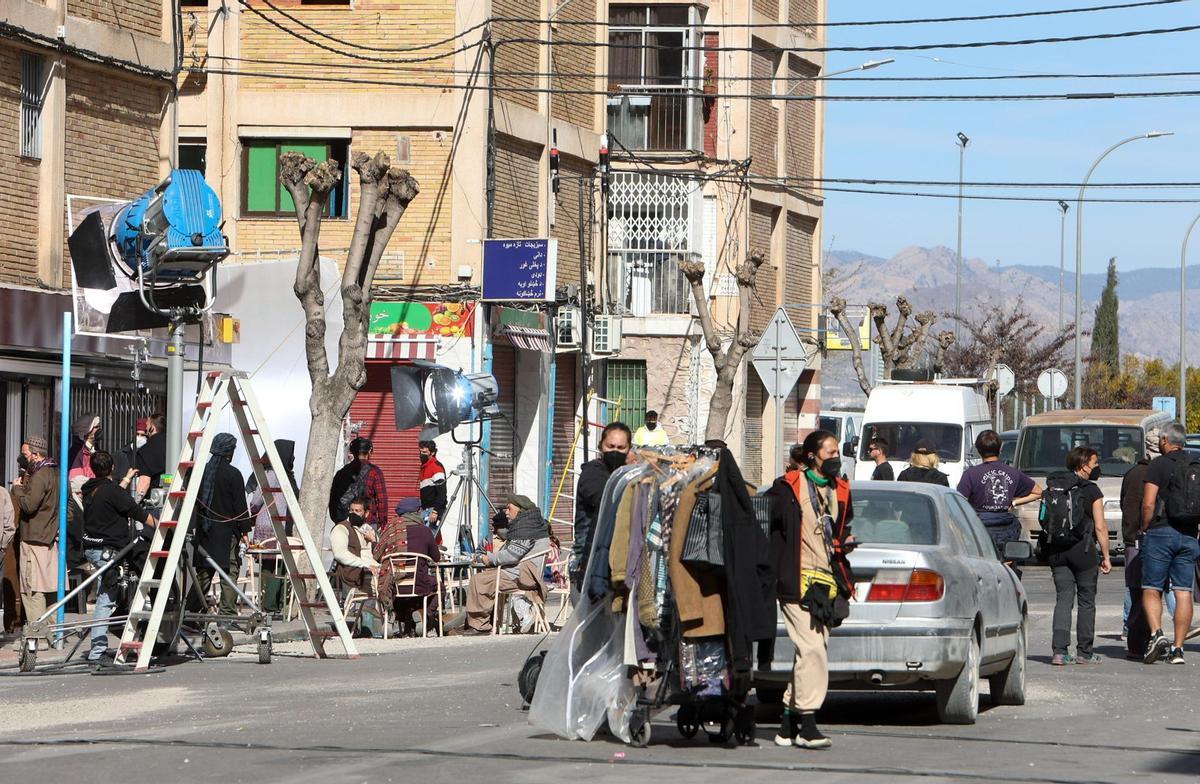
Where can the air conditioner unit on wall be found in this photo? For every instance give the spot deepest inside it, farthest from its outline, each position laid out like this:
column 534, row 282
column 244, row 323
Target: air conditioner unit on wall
column 606, row 334
column 566, row 328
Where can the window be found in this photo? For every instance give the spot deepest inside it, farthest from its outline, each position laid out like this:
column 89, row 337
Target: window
column 262, row 193
column 31, row 105
column 978, row 542
column 627, row 383
column 902, row 438
column 891, row 517
column 652, row 77
column 193, row 154
column 1044, row 448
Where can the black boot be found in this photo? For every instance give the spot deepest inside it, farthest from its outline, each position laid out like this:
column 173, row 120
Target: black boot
column 787, row 729
column 809, row 736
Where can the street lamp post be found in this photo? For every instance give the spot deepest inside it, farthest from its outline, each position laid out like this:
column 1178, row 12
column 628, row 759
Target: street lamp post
column 1079, row 260
column 1183, row 324
column 963, row 141
column 1062, row 259
column 868, row 65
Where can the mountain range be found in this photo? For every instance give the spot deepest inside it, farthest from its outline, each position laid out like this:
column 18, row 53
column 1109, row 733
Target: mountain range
column 1149, row 300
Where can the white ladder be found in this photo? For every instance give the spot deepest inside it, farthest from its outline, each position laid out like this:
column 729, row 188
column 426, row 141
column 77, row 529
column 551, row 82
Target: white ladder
column 166, row 547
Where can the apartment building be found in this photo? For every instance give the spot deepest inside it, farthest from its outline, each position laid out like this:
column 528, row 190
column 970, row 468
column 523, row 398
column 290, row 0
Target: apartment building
column 85, row 117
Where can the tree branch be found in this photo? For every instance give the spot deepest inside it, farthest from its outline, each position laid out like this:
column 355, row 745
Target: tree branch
column 401, row 189
column 694, row 272
column 837, row 308
column 370, row 172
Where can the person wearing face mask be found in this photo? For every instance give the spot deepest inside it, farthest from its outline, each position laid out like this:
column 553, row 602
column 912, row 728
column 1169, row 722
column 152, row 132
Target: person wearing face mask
column 151, row 459
column 650, row 434
column 615, row 443
column 354, row 565
column 432, row 479
column 125, row 458
column 811, row 513
column 87, row 432
column 993, row 488
column 1077, row 569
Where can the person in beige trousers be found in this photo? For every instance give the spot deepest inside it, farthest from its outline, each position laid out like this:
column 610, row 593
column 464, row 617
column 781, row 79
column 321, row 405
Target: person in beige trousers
column 810, row 517
column 36, row 498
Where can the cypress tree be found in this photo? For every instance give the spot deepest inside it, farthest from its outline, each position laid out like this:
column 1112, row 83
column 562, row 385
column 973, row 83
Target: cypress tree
column 1105, row 342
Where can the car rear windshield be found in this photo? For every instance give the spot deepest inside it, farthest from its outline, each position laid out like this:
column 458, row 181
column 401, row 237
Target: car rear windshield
column 894, row 517
column 1044, row 448
column 902, row 438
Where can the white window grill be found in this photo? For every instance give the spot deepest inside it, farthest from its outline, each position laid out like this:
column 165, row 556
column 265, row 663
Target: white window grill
column 31, row 105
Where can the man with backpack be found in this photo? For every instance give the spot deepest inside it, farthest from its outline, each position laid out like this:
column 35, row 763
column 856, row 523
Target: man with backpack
column 1170, row 522
column 1075, row 542
column 359, row 478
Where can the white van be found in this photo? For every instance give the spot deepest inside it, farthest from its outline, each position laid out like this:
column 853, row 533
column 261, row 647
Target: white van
column 951, row 413
column 846, row 425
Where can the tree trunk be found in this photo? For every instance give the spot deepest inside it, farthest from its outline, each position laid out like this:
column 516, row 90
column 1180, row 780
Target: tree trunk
column 837, row 306
column 720, row 404
column 322, row 460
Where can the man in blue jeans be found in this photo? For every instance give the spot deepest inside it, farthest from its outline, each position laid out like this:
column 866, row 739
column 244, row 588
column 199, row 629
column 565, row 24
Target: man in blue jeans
column 1169, row 548
column 107, row 510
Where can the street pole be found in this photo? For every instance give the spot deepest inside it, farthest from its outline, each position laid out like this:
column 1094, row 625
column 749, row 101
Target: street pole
column 779, row 399
column 1062, row 259
column 1079, row 261
column 962, row 152
column 1183, row 324
column 175, row 394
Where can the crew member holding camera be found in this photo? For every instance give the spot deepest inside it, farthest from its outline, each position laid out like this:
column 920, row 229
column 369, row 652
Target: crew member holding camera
column 107, row 509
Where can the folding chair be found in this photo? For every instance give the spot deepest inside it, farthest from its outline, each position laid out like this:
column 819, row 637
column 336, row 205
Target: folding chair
column 357, row 597
column 404, row 568
column 537, row 563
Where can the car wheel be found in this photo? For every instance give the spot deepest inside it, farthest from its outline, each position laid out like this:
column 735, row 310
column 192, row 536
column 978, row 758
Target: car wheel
column 769, row 695
column 1008, row 685
column 958, row 700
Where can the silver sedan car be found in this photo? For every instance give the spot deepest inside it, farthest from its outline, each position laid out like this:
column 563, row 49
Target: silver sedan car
column 935, row 607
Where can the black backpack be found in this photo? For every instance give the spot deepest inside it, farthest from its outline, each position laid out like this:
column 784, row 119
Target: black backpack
column 357, row 489
column 1063, row 518
column 1183, row 492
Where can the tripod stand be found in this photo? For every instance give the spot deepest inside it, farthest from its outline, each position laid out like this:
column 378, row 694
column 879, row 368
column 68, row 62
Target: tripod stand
column 468, row 485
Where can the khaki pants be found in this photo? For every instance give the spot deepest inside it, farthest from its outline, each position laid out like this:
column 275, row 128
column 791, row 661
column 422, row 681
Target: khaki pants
column 39, row 582
column 810, row 668
column 481, row 593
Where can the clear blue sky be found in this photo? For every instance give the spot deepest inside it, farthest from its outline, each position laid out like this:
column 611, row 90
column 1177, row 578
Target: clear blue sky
column 1043, row 141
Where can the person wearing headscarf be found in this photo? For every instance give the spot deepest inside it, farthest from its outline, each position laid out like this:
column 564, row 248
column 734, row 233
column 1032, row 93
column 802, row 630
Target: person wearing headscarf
column 407, row 533
column 263, row 528
column 221, row 522
column 528, row 533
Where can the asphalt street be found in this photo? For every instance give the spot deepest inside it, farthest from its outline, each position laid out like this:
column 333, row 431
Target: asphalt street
column 448, row 711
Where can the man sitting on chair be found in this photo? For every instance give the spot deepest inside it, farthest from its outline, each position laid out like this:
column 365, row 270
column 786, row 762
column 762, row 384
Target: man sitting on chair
column 351, row 541
column 407, row 533
column 528, row 532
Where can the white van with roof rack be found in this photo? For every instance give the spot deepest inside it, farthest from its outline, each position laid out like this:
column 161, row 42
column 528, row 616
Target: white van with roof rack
column 948, row 412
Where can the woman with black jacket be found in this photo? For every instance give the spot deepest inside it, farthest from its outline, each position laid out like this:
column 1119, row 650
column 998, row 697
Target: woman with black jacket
column 810, row 531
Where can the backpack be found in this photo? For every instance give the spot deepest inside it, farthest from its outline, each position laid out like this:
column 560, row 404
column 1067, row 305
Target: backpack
column 1183, row 492
column 357, row 489
column 1062, row 517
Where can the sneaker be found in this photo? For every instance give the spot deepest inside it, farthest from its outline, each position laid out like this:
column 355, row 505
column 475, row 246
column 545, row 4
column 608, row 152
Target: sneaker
column 809, row 736
column 1157, row 648
column 1176, row 656
column 1088, row 658
column 787, row 730
column 1060, row 659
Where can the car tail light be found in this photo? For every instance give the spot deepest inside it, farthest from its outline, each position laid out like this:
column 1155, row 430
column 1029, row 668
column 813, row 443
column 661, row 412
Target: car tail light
column 918, row 585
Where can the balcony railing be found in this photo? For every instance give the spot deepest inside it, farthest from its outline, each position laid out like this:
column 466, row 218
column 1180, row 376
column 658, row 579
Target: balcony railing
column 651, row 283
column 656, row 118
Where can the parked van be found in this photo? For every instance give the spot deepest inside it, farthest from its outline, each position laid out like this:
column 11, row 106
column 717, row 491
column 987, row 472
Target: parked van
column 847, row 426
column 950, row 414
column 1118, row 435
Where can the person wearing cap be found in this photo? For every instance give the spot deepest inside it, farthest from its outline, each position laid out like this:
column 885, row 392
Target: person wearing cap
column 359, row 478
column 528, row 532
column 1132, row 489
column 125, row 458
column 87, row 431
column 36, row 497
column 923, row 466
column 407, row 533
column 650, row 434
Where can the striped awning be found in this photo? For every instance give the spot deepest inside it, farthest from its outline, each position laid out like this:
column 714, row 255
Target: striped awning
column 528, row 338
column 402, row 347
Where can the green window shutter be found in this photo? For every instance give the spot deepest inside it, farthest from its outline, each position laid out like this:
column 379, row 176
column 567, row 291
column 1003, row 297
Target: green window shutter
column 261, row 177
column 318, row 152
column 627, row 383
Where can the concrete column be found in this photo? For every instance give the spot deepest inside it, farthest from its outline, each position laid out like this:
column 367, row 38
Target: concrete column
column 224, row 170
column 52, row 198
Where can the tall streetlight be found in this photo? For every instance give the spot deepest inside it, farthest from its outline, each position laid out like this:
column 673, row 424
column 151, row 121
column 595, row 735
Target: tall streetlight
column 868, row 65
column 1079, row 260
column 963, row 141
column 1183, row 323
column 1062, row 259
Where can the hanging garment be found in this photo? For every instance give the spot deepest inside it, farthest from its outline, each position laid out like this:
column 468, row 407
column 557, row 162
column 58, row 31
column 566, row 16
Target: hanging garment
column 697, row 594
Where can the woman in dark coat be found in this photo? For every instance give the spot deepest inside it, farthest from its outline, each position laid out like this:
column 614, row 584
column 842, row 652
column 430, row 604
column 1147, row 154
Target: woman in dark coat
column 222, row 520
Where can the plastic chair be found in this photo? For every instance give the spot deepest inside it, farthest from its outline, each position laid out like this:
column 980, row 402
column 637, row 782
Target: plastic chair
column 404, row 576
column 357, row 597
column 539, row 565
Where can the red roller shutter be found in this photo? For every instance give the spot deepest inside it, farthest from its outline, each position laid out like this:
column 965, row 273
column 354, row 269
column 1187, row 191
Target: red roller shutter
column 395, row 450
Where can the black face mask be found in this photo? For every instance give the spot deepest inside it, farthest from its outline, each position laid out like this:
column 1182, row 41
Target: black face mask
column 831, row 468
column 22, row 462
column 613, row 460
column 651, row 425
column 1095, row 474
column 355, row 519
column 424, row 459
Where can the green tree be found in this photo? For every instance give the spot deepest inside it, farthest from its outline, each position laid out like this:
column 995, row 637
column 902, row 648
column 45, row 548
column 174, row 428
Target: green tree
column 1106, row 345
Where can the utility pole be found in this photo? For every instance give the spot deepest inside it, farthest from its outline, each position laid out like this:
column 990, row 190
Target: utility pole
column 962, row 151
column 1062, row 258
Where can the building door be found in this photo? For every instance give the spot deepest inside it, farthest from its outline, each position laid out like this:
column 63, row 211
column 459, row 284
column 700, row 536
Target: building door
column 625, row 380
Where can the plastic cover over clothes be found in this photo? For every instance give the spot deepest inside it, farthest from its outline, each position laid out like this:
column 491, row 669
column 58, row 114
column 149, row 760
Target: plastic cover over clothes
column 584, row 681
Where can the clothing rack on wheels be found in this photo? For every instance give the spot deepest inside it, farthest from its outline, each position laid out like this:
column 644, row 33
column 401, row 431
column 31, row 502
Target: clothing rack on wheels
column 673, row 598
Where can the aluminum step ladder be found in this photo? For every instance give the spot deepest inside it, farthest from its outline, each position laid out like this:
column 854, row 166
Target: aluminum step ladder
column 151, row 597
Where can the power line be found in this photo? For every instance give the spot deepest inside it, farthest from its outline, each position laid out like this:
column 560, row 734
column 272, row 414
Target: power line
column 393, row 49
column 747, row 96
column 885, row 22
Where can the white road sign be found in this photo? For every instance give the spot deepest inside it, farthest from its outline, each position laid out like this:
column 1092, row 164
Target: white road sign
column 1052, row 383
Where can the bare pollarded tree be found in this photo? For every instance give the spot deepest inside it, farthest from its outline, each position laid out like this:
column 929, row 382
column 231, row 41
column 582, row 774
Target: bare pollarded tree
column 902, row 346
column 384, row 194
column 727, row 357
